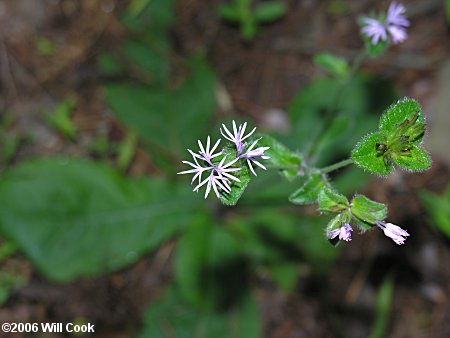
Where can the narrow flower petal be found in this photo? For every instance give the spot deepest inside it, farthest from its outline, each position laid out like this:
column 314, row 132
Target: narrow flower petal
column 397, row 234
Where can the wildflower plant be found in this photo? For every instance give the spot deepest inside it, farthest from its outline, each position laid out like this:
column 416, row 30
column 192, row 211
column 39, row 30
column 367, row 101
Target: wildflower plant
column 397, row 143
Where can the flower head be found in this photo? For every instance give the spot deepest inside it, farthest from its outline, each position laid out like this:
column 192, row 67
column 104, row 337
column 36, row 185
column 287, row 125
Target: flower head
column 251, row 155
column 237, row 137
column 219, row 173
column 397, row 234
column 344, row 233
column 374, row 29
column 394, row 26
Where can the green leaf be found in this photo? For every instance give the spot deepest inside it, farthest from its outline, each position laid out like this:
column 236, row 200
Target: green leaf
column 415, row 160
column 170, row 119
column 398, row 113
column 229, row 12
column 170, row 317
column 367, row 212
column 335, row 65
column 365, row 155
column 280, row 156
column 269, row 11
column 309, row 191
column 151, row 58
column 331, row 201
column 74, row 218
column 438, row 208
column 205, row 258
column 190, row 258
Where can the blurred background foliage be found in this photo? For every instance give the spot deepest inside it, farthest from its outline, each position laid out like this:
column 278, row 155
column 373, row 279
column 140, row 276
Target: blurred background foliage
column 84, row 211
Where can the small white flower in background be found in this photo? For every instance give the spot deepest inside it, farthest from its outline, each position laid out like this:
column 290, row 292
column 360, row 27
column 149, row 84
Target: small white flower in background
column 394, row 26
column 397, row 234
column 344, row 233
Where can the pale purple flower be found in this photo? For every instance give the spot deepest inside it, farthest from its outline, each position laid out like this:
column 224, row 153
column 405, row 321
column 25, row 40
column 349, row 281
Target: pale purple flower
column 219, row 174
column 394, row 26
column 206, row 153
column 219, row 177
column 344, row 233
column 397, row 234
column 395, row 15
column 374, row 29
column 237, row 137
column 251, row 155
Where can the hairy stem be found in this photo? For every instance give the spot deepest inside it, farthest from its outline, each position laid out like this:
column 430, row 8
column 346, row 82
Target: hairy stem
column 336, row 166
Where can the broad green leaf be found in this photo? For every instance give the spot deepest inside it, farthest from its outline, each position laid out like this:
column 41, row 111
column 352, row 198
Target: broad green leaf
column 332, row 201
column 398, row 113
column 309, row 191
column 438, row 208
column 229, row 12
column 171, row 119
column 365, row 155
column 170, row 317
column 191, row 257
column 151, row 58
column 367, row 212
column 269, row 11
column 335, row 65
column 74, row 218
column 415, row 160
column 209, row 265
column 280, row 156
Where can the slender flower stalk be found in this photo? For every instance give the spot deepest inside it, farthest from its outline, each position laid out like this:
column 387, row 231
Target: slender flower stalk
column 393, row 27
column 344, row 233
column 397, row 234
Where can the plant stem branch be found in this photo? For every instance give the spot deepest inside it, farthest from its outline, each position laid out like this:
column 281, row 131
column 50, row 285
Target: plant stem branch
column 336, row 166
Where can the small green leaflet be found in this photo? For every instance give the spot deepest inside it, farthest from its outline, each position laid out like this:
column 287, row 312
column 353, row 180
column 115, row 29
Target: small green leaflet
column 331, row 201
column 367, row 212
column 309, row 191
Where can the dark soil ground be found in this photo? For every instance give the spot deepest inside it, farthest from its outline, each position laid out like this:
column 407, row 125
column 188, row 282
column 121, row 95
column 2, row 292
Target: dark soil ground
column 258, row 79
